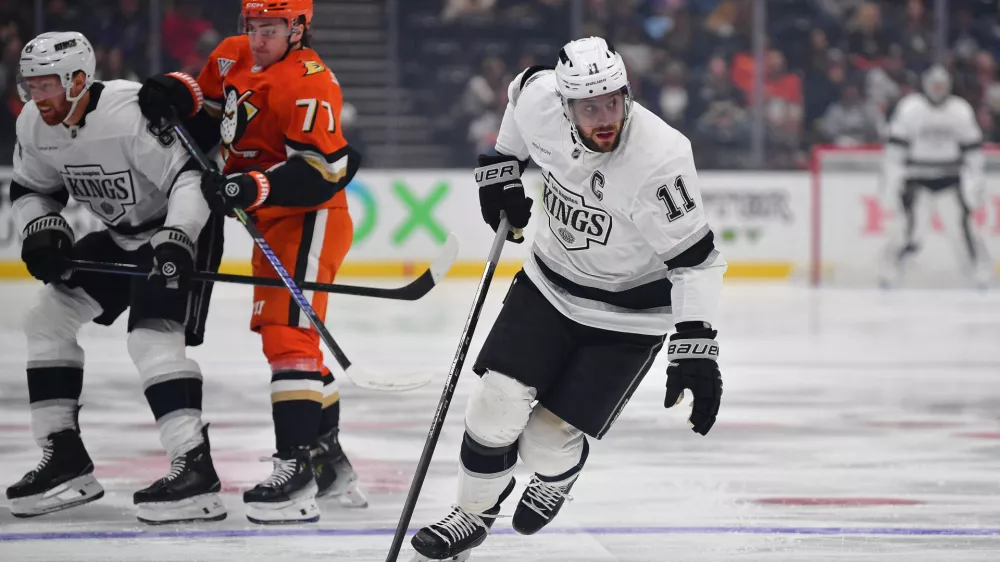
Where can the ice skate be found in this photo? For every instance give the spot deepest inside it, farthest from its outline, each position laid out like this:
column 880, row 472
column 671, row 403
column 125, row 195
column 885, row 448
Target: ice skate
column 541, row 502
column 456, row 535
column 63, row 479
column 288, row 495
column 335, row 477
column 189, row 492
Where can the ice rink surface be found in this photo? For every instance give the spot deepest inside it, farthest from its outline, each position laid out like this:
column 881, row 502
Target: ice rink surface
column 855, row 425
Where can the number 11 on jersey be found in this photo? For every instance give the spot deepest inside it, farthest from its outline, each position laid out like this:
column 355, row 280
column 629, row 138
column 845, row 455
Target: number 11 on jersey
column 673, row 211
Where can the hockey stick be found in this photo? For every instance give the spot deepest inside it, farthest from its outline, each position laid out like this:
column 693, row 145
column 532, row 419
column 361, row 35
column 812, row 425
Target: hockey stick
column 357, row 376
column 449, row 391
column 412, row 291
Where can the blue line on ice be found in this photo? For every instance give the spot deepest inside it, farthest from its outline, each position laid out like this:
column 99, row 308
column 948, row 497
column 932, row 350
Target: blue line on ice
column 236, row 533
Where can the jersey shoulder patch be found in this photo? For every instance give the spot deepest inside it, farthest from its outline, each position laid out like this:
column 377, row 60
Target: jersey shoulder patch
column 524, row 80
column 229, row 53
column 313, row 67
column 306, row 63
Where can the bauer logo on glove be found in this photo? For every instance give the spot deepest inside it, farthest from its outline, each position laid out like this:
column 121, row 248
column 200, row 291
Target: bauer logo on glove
column 694, row 349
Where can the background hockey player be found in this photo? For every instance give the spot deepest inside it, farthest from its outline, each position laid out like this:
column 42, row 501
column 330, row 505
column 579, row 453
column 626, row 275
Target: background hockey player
column 287, row 163
column 88, row 140
column 626, row 244
column 934, row 162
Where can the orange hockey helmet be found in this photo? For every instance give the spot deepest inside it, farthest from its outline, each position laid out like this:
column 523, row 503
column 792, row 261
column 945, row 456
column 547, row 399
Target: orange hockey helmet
column 289, row 10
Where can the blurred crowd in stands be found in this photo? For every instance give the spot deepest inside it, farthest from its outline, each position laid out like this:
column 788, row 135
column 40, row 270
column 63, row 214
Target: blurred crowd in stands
column 119, row 31
column 833, row 69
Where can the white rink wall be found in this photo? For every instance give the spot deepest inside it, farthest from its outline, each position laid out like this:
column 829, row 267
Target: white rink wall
column 777, row 225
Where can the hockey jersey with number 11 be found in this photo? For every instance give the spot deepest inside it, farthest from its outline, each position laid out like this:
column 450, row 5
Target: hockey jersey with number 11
column 625, row 245
column 128, row 173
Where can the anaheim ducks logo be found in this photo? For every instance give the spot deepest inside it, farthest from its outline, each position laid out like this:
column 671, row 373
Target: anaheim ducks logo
column 236, row 114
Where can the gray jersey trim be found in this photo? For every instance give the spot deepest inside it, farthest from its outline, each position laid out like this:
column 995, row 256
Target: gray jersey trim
column 685, row 244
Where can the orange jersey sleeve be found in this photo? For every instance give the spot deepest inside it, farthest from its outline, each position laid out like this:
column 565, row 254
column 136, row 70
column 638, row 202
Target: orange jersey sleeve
column 233, row 52
column 309, row 103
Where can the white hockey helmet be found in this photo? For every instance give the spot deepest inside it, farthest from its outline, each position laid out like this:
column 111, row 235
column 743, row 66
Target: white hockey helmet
column 588, row 68
column 58, row 53
column 936, row 83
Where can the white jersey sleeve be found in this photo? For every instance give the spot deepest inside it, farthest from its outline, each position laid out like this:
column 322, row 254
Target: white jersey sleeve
column 510, row 141
column 970, row 137
column 967, row 127
column 39, row 187
column 901, row 132
column 903, row 121
column 165, row 163
column 669, row 212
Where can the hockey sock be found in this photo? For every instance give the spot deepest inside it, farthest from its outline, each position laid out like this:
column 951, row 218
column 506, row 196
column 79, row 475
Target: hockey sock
column 485, row 473
column 330, row 418
column 54, row 394
column 176, row 405
column 296, row 407
column 171, row 382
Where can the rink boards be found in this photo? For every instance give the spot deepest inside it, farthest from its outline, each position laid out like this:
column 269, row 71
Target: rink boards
column 832, row 223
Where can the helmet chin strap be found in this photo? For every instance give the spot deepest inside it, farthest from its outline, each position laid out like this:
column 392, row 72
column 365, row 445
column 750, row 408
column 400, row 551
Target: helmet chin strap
column 74, row 102
column 291, row 45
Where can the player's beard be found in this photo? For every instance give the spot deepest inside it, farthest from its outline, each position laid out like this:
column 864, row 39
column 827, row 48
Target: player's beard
column 54, row 111
column 604, row 138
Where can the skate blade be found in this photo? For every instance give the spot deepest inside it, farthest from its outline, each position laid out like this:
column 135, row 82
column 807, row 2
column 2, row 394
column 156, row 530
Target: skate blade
column 457, row 558
column 298, row 510
column 264, row 521
column 350, row 496
column 353, row 497
column 78, row 491
column 206, row 507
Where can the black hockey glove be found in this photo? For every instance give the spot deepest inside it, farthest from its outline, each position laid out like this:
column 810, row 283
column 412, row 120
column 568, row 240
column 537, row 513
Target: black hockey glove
column 47, row 248
column 694, row 366
column 500, row 189
column 173, row 259
column 162, row 95
column 242, row 191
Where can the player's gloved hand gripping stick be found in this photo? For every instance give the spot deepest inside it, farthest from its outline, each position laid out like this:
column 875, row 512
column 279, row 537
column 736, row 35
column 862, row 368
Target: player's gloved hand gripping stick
column 359, row 377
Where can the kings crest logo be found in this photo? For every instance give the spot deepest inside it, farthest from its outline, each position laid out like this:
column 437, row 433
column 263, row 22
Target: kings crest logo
column 110, row 195
column 236, row 114
column 575, row 224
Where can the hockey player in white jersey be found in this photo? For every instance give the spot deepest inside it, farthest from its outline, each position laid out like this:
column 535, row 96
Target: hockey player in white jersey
column 625, row 257
column 934, row 162
column 87, row 140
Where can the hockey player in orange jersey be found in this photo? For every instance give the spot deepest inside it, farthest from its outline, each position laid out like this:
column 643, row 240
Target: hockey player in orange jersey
column 287, row 164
